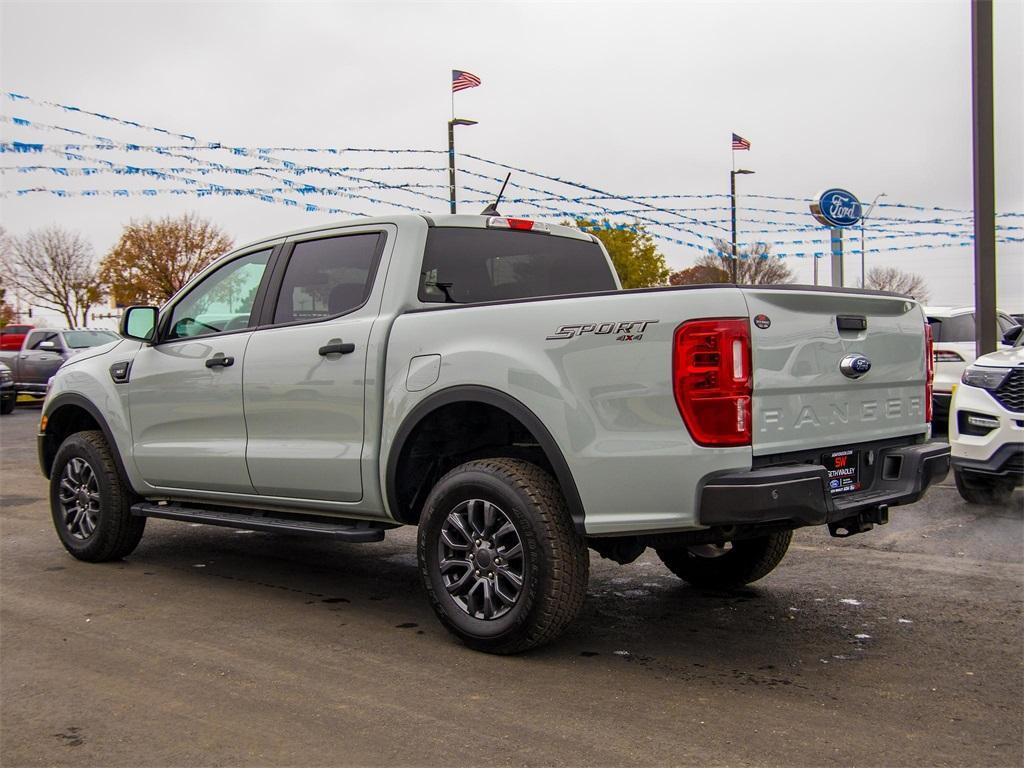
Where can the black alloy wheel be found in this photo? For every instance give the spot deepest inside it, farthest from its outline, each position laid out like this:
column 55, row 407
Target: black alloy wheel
column 481, row 558
column 503, row 566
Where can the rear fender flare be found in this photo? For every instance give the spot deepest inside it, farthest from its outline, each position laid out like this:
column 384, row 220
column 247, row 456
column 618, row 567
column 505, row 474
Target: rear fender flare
column 501, row 401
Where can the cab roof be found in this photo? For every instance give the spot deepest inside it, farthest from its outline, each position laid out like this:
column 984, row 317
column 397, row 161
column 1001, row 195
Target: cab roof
column 465, row 220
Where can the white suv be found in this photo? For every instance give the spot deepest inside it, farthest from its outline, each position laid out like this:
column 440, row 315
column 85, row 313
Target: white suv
column 953, row 336
column 986, row 427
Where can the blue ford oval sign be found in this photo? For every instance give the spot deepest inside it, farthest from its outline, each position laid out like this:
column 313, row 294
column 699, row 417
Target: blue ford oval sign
column 837, row 208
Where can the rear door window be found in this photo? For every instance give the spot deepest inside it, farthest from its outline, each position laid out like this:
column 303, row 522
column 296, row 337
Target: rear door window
column 466, row 266
column 327, row 277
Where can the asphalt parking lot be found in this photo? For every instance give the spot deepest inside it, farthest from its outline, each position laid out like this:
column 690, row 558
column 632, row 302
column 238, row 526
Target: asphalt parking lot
column 903, row 646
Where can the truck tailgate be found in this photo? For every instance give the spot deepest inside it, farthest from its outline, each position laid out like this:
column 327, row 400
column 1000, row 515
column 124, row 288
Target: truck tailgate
column 802, row 399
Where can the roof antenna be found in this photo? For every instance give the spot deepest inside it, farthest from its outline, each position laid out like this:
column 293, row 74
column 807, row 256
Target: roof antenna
column 492, row 209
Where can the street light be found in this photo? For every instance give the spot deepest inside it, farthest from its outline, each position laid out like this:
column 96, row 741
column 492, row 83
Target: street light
column 451, row 156
column 732, row 196
column 862, row 220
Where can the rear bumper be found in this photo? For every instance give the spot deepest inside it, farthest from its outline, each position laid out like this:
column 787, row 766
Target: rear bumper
column 798, row 493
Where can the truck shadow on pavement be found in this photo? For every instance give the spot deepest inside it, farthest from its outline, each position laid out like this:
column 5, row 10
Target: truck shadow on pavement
column 638, row 615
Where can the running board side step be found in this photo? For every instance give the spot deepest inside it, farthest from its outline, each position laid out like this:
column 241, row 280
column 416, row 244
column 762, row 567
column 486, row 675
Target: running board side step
column 356, row 531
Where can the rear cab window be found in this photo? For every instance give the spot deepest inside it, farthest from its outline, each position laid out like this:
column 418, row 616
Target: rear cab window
column 468, row 265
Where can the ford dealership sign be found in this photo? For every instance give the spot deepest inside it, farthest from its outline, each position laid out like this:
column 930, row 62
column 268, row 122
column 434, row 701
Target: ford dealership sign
column 837, row 208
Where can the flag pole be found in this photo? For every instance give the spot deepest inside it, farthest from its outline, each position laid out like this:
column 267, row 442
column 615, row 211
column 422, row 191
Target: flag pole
column 451, row 151
column 732, row 207
column 451, row 133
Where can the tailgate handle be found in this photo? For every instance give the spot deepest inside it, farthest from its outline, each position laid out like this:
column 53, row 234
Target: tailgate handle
column 851, row 322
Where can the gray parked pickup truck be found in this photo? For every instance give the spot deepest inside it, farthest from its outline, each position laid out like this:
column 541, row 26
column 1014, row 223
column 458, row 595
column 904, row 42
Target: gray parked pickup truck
column 487, row 380
column 45, row 350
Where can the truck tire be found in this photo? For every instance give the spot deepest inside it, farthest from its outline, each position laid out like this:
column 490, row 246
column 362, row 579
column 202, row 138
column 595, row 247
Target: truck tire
column 501, row 562
column 983, row 489
column 90, row 501
column 737, row 564
column 7, row 405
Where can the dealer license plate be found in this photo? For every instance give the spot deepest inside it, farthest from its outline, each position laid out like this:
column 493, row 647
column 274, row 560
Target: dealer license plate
column 843, row 471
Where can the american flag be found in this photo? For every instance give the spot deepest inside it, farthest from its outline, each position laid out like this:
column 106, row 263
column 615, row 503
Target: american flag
column 738, row 142
column 463, row 80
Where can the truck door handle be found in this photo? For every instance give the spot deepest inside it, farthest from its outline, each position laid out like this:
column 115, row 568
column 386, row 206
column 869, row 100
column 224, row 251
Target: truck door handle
column 337, row 348
column 220, row 361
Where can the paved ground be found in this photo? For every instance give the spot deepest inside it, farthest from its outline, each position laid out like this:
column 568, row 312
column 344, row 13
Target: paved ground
column 213, row 647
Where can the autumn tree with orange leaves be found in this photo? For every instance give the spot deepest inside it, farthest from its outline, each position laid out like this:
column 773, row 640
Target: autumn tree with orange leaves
column 154, row 258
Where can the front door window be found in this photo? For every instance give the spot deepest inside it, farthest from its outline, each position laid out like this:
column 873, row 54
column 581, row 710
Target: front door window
column 223, row 302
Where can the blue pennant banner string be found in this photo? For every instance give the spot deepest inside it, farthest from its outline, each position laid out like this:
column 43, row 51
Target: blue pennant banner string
column 19, row 98
column 195, row 143
column 682, row 227
column 273, row 196
column 303, row 188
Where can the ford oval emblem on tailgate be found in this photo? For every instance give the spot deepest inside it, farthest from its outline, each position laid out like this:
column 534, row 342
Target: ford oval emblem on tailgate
column 854, row 366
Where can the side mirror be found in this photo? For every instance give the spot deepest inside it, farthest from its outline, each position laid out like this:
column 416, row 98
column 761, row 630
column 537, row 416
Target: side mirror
column 139, row 323
column 1012, row 334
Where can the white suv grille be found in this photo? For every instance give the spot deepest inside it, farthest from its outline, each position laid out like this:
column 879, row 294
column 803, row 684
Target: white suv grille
column 1011, row 391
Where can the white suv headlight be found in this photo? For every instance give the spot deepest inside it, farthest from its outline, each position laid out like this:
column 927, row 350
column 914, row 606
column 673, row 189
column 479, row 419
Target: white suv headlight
column 986, row 378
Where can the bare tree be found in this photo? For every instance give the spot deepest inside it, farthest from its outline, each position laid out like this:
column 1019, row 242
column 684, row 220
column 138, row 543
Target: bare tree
column 53, row 268
column 7, row 313
column 154, row 258
column 897, row 281
column 757, row 264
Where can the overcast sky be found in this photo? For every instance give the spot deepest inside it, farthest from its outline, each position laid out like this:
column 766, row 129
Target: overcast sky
column 636, row 98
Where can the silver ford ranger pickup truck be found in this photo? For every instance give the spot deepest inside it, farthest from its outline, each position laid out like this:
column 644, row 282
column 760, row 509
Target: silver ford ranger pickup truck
column 487, row 380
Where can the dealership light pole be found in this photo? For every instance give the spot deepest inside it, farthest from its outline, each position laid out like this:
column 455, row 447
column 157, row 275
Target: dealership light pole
column 732, row 198
column 984, row 177
column 862, row 220
column 451, row 156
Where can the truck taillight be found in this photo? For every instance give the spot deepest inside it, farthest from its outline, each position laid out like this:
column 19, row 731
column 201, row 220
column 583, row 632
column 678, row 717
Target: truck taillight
column 712, row 380
column 929, row 356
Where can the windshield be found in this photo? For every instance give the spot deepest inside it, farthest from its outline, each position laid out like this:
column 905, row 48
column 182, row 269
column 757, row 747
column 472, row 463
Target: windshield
column 83, row 339
column 465, row 266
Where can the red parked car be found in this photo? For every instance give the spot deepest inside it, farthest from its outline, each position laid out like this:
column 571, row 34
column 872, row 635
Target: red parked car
column 13, row 336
